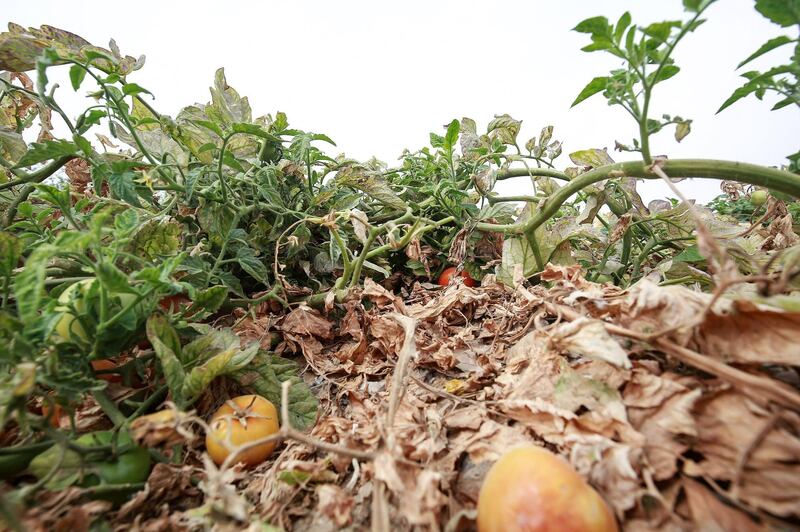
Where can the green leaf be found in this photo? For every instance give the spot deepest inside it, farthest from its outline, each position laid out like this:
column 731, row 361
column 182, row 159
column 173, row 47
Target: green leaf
column 661, row 30
column 255, row 130
column 121, row 183
column 129, row 89
column 10, row 253
column 785, row 13
column 207, row 301
column 12, row 145
column 451, row 137
column 227, row 107
column 251, row 264
column 504, row 128
column 372, row 184
column 691, row 5
column 266, row 373
column 622, row 24
column 767, row 47
column 690, row 254
column 29, row 284
column 44, row 151
column 208, row 124
column 784, row 103
column 166, row 343
column 206, row 346
column 517, row 252
column 157, row 238
column 231, row 160
column 125, row 222
column 76, row 75
column 232, row 282
column 221, row 363
column 113, row 279
column 596, row 26
column 666, row 72
column 738, row 94
column 682, row 129
column 592, row 157
column 598, row 84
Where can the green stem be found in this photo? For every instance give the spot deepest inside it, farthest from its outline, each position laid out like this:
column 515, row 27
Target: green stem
column 26, row 449
column 648, row 89
column 11, row 213
column 501, row 199
column 222, row 251
column 359, row 262
column 337, row 238
column 109, row 408
column 773, row 178
column 39, row 175
column 528, row 172
column 127, row 308
column 149, row 402
column 530, row 235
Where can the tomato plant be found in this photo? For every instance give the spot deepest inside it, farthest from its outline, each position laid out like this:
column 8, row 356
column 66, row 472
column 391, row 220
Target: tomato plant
column 143, row 260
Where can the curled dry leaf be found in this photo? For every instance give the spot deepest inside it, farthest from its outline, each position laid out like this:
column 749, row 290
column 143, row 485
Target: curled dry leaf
column 589, row 338
column 334, row 503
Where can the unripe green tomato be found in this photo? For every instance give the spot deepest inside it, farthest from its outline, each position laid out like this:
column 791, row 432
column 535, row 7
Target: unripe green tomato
column 131, row 466
column 758, row 197
column 603, row 278
column 69, row 326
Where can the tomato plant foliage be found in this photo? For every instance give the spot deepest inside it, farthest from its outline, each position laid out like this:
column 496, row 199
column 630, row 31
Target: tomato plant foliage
column 232, row 214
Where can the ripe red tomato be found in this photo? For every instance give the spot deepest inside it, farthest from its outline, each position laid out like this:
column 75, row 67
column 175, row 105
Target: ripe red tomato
column 103, row 364
column 175, row 303
column 447, row 274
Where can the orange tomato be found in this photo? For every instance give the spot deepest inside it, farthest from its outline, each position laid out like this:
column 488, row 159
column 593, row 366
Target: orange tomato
column 447, row 274
column 55, row 416
column 252, row 419
column 104, row 364
column 531, row 490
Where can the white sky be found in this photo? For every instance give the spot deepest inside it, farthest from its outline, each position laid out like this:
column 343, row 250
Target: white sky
column 377, row 77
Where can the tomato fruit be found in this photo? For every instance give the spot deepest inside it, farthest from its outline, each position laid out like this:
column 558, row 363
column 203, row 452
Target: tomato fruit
column 758, row 198
column 447, row 275
column 531, row 489
column 104, row 364
column 76, row 299
column 131, row 465
column 252, row 418
column 603, row 279
column 53, row 416
column 68, row 325
column 128, row 467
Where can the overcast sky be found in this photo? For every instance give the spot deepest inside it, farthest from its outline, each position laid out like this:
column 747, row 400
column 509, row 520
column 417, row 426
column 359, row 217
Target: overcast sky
column 377, row 77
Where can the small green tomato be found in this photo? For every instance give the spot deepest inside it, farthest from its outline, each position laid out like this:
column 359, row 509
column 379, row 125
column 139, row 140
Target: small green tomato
column 758, row 197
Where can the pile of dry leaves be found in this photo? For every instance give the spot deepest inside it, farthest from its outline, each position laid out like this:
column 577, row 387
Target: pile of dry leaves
column 679, row 407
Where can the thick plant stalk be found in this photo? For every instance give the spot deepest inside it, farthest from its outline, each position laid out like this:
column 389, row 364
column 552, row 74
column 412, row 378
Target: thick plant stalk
column 752, row 174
